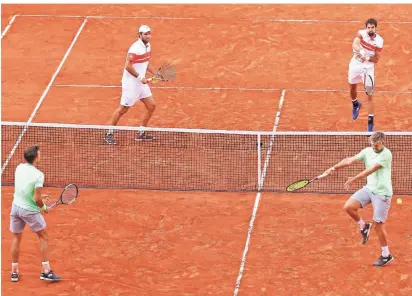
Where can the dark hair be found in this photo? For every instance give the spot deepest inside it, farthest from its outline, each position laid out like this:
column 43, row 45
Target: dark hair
column 372, row 22
column 30, row 153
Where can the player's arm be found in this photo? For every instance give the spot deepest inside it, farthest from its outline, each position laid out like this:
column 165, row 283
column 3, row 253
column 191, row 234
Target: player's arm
column 343, row 163
column 38, row 199
column 375, row 58
column 129, row 67
column 367, row 172
column 363, row 174
column 356, row 45
column 151, row 69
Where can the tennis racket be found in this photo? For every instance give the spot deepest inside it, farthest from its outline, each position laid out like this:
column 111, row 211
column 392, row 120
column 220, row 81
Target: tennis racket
column 68, row 196
column 166, row 72
column 368, row 83
column 303, row 183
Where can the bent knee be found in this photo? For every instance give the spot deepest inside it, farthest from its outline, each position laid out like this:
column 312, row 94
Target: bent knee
column 151, row 107
column 351, row 205
column 123, row 110
column 43, row 234
column 353, row 87
column 347, row 207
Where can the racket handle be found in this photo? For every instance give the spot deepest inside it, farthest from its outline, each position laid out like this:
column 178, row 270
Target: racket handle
column 321, row 176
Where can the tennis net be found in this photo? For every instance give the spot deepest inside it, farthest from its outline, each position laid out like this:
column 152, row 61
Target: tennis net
column 195, row 160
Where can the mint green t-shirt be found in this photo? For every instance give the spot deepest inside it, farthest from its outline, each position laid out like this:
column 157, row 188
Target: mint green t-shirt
column 379, row 182
column 26, row 178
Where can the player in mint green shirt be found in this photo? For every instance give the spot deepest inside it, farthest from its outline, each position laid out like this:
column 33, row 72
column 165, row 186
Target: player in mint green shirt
column 27, row 203
column 378, row 191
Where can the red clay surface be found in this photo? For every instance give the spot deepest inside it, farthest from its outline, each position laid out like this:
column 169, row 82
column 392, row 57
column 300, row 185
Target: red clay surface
column 173, row 243
column 30, row 56
column 119, row 242
column 180, row 109
column 392, row 112
column 307, row 245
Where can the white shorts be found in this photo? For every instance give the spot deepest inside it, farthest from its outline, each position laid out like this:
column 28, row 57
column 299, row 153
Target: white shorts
column 355, row 73
column 131, row 93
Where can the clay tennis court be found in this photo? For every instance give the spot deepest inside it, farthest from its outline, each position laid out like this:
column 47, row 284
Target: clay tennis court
column 235, row 65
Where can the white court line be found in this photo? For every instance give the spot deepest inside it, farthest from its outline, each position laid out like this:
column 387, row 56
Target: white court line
column 230, row 88
column 43, row 96
column 208, row 18
column 8, row 26
column 258, row 195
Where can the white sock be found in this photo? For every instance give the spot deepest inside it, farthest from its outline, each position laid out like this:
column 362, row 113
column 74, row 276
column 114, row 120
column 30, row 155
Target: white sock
column 370, row 115
column 361, row 224
column 354, row 100
column 14, row 266
column 385, row 251
column 141, row 132
column 46, row 266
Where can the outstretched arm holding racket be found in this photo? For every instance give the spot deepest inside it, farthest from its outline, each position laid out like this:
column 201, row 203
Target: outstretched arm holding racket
column 305, row 182
column 378, row 191
column 343, row 163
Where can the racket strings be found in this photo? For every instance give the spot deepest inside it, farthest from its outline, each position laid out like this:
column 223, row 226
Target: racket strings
column 297, row 185
column 167, row 72
column 69, row 195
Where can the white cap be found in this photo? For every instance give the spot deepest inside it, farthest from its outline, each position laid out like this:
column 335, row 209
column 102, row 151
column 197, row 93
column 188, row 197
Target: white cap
column 144, row 29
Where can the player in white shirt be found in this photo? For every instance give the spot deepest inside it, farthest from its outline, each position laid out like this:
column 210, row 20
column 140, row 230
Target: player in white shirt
column 134, row 84
column 367, row 47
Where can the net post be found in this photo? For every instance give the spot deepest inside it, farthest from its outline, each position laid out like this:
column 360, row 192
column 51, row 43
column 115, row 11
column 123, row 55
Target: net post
column 259, row 159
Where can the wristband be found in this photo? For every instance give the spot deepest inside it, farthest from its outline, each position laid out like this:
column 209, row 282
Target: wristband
column 140, row 78
column 367, row 58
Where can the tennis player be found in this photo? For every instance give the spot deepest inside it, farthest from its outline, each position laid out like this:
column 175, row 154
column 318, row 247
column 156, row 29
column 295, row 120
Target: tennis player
column 27, row 203
column 367, row 47
column 135, row 85
column 378, row 191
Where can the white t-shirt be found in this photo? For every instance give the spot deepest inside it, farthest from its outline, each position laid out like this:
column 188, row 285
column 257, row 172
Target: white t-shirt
column 369, row 45
column 27, row 177
column 141, row 55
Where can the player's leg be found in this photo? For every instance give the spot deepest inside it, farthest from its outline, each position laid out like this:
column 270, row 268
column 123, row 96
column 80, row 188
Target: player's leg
column 109, row 136
column 381, row 205
column 15, row 251
column 129, row 97
column 356, row 105
column 47, row 273
column 17, row 225
column 38, row 225
column 358, row 200
column 370, row 114
column 371, row 111
column 354, row 77
column 150, row 104
column 120, row 111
